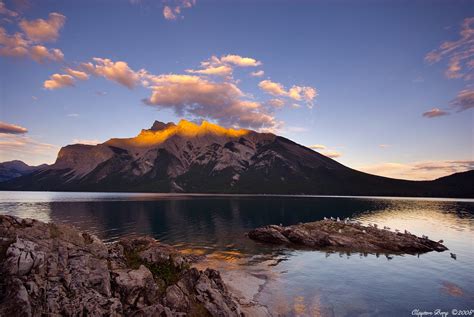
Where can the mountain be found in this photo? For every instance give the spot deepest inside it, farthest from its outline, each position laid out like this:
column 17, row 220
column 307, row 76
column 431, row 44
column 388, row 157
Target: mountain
column 208, row 158
column 13, row 169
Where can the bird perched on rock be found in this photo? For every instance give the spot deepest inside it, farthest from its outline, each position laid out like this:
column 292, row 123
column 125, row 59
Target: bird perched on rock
column 338, row 219
column 325, row 218
column 440, row 241
column 453, row 255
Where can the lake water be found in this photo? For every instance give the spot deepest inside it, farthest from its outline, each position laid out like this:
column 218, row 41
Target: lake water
column 288, row 282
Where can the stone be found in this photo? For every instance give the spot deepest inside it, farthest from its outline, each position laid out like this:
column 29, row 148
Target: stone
column 345, row 236
column 56, row 270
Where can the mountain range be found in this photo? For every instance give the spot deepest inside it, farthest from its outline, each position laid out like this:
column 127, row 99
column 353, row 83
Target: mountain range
column 207, row 158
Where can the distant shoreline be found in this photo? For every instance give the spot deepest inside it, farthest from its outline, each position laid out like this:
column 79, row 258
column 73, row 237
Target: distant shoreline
column 163, row 194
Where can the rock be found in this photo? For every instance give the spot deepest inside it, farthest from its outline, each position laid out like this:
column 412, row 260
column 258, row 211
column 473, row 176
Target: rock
column 352, row 237
column 270, row 234
column 56, row 270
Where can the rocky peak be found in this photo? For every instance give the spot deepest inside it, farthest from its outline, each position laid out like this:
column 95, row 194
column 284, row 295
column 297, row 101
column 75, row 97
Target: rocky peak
column 158, row 125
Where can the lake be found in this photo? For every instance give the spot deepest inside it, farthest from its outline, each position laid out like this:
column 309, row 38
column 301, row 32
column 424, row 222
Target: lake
column 288, row 282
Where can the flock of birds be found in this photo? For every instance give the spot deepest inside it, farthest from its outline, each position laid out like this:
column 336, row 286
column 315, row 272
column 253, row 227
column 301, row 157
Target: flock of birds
column 351, row 221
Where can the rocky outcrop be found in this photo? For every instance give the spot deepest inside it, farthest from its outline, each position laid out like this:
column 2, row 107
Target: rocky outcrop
column 345, row 235
column 56, row 270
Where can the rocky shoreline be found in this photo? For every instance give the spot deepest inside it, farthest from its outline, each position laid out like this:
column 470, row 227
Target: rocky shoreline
column 347, row 236
column 50, row 269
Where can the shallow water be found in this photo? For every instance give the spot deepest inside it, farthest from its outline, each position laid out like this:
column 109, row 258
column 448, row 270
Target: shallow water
column 304, row 283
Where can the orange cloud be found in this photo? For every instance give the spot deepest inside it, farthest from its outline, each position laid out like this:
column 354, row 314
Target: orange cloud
column 9, row 128
column 298, row 93
column 317, row 147
column 17, row 146
column 464, row 100
column 459, row 54
column 435, row 112
column 258, row 73
column 77, row 73
column 240, row 61
column 41, row 30
column 17, row 46
column 58, row 81
column 276, row 103
column 173, row 12
column 424, row 170
column 5, row 11
column 86, row 142
column 223, row 70
column 119, row 71
column 331, row 154
column 200, row 97
column 40, row 54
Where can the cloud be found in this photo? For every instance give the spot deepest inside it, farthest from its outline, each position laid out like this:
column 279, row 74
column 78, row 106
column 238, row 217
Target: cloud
column 435, row 112
column 77, row 73
column 17, row 46
column 5, row 11
column 384, row 146
column 200, row 97
column 423, row 170
column 173, row 12
column 298, row 93
column 73, row 115
column 276, row 103
column 196, row 94
column 258, row 73
column 317, row 147
column 240, row 61
column 58, row 81
column 459, row 54
column 86, row 142
column 9, row 128
column 223, row 70
column 41, row 30
column 272, row 88
column 464, row 100
column 31, row 151
column 119, row 71
column 223, row 66
column 41, row 54
column 322, row 149
column 331, row 154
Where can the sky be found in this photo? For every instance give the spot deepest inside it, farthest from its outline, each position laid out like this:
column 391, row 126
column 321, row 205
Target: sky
column 386, row 87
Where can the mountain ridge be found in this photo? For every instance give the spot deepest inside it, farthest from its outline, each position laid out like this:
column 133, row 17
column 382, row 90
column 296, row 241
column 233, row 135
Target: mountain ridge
column 208, row 158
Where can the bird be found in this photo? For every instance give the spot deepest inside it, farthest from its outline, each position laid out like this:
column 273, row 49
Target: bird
column 453, row 255
column 389, row 257
column 375, row 225
column 396, row 230
column 424, row 237
column 340, row 231
column 440, row 241
column 325, row 218
column 332, row 218
column 364, row 231
column 338, row 219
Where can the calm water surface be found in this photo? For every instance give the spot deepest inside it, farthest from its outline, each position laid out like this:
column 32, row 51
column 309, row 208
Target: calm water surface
column 302, row 283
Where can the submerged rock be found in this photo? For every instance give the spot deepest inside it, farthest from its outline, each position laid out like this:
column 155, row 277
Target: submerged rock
column 348, row 236
column 56, row 270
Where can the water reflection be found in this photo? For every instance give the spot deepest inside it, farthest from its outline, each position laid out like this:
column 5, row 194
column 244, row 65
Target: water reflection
column 288, row 282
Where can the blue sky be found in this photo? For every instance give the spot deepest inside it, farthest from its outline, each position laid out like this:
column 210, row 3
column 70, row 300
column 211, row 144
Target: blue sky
column 367, row 61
